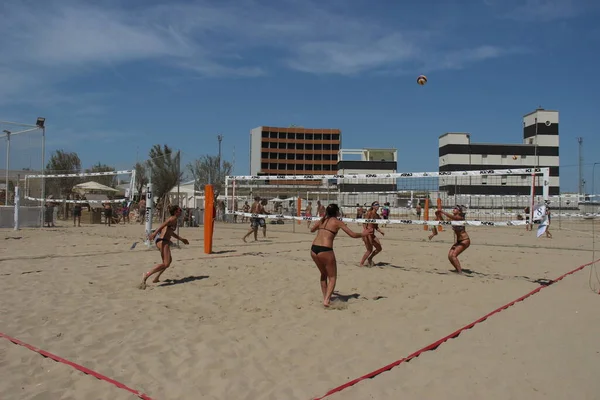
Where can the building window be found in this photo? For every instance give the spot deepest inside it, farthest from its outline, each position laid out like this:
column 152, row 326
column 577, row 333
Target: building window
column 291, row 156
column 327, row 136
column 299, row 167
column 291, row 135
column 309, row 167
column 327, row 157
column 264, row 165
column 291, row 146
column 318, row 146
column 309, row 136
column 291, row 167
column 281, row 166
column 273, row 135
column 327, row 146
column 309, row 146
column 264, row 154
column 318, row 167
column 309, row 157
column 299, row 146
column 272, row 166
column 272, row 145
column 318, row 136
column 326, row 167
column 299, row 156
column 282, row 145
column 282, row 135
column 318, row 157
column 336, row 137
column 272, row 156
column 300, row 136
column 281, row 156
column 265, row 145
column 335, row 146
column 334, row 157
column 265, row 134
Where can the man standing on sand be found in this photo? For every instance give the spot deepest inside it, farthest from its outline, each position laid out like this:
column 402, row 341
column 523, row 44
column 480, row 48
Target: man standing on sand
column 255, row 222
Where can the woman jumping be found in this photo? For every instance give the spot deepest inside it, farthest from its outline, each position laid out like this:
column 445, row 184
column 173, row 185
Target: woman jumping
column 322, row 248
column 372, row 242
column 462, row 238
column 162, row 237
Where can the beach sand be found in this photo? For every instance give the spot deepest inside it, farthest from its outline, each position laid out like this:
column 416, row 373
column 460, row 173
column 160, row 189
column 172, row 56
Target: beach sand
column 247, row 322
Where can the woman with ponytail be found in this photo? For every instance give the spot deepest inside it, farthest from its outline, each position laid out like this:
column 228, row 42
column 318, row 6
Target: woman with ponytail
column 372, row 243
column 322, row 248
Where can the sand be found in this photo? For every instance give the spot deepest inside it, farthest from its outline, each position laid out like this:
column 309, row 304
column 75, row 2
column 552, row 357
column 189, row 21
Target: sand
column 247, row 322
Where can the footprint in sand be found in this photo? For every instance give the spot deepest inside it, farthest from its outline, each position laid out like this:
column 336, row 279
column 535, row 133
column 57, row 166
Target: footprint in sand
column 337, row 305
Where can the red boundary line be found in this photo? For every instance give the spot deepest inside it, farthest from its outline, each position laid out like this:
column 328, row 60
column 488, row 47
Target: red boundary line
column 78, row 367
column 453, row 335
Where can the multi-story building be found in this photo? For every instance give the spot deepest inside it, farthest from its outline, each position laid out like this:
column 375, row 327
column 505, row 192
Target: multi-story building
column 294, row 151
column 372, row 161
column 540, row 148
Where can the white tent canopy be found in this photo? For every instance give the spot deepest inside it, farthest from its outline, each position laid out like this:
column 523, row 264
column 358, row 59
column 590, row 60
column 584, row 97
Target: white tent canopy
column 93, row 186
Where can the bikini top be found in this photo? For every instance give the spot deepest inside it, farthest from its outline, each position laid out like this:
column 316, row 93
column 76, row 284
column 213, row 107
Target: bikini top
column 328, row 230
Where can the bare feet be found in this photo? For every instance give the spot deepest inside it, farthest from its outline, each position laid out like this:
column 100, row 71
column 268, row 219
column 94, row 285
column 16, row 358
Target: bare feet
column 244, row 239
column 142, row 285
column 156, row 280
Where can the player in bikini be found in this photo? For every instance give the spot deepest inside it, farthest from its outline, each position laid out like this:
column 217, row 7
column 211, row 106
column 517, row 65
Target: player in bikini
column 434, row 229
column 462, row 238
column 162, row 237
column 372, row 242
column 322, row 248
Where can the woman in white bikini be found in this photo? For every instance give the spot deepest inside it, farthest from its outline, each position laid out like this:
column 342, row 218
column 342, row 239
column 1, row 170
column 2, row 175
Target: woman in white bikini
column 322, row 248
column 372, row 243
column 462, row 238
column 162, row 237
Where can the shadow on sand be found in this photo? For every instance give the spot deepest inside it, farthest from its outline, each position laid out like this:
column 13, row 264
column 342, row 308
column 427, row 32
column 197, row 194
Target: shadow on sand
column 171, row 282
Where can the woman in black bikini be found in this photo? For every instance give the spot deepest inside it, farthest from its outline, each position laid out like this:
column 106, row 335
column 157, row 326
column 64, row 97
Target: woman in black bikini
column 162, row 237
column 462, row 238
column 322, row 248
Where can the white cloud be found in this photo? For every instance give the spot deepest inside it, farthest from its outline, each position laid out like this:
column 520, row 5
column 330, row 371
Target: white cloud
column 538, row 10
column 54, row 41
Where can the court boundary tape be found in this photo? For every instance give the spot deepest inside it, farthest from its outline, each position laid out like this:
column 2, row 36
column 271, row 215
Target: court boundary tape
column 78, row 367
column 436, row 344
column 370, row 375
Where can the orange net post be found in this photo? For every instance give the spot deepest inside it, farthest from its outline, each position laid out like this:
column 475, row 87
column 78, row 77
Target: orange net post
column 439, row 206
column 426, row 214
column 299, row 205
column 209, row 218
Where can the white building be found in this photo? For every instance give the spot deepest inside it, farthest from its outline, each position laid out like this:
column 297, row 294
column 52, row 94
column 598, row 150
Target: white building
column 540, row 148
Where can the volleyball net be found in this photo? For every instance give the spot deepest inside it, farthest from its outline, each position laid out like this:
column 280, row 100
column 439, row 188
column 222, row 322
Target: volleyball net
column 492, row 197
column 94, row 189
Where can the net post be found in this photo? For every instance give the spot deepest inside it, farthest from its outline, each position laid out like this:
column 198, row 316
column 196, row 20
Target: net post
column 299, row 208
column 546, row 183
column 209, row 218
column 149, row 210
column 426, row 213
column 226, row 195
column 17, row 202
column 439, row 206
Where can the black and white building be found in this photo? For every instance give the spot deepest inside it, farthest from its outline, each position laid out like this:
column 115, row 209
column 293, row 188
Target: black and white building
column 540, row 148
column 367, row 161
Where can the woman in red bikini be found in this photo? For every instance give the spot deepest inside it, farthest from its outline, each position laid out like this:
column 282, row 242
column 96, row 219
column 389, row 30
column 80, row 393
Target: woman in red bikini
column 462, row 238
column 372, row 242
column 162, row 237
column 322, row 248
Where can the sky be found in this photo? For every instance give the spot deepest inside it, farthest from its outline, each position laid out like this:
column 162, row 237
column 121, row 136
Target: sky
column 113, row 78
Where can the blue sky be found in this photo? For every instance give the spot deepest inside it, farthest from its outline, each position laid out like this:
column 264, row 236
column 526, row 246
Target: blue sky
column 113, row 77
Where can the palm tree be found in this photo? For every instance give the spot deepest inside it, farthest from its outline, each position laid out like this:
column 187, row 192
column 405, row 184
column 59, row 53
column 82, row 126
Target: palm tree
column 165, row 171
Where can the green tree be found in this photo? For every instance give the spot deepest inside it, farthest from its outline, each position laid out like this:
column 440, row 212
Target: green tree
column 141, row 178
column 107, row 180
column 62, row 162
column 205, row 170
column 165, row 171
